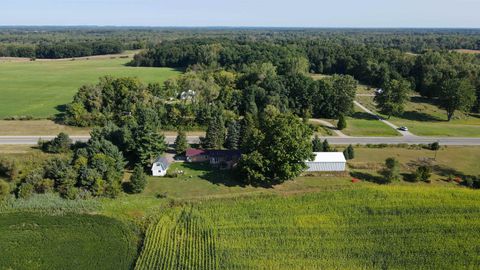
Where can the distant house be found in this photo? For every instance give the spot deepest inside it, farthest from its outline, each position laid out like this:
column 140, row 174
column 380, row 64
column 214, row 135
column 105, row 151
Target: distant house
column 160, row 167
column 225, row 159
column 327, row 162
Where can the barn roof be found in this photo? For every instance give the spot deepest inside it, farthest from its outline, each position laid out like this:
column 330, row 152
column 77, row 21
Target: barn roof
column 329, row 157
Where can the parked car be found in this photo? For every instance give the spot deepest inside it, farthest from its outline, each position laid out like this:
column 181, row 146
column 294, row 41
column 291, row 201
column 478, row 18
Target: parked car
column 403, row 128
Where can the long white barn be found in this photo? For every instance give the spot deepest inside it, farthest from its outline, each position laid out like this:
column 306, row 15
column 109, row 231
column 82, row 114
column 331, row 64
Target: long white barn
column 327, row 162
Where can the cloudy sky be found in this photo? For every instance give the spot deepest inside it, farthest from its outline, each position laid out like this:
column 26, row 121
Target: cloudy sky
column 293, row 13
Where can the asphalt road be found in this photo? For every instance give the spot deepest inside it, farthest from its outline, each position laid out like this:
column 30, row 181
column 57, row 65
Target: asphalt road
column 32, row 140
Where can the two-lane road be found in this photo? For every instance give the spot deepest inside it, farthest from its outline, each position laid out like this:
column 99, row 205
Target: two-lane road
column 32, row 140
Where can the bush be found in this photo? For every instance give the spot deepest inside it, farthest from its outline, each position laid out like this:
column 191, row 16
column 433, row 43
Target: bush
column 26, row 190
column 349, row 153
column 4, row 190
column 434, row 146
column 392, row 170
column 423, row 173
column 61, row 144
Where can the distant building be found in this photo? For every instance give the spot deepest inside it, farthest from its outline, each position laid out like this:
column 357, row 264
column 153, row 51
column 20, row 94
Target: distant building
column 225, row 159
column 160, row 167
column 327, row 162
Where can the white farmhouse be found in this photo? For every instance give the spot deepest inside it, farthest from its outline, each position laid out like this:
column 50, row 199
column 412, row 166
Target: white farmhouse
column 160, row 167
column 327, row 162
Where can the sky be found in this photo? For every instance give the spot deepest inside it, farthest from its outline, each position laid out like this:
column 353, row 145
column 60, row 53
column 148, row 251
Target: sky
column 267, row 13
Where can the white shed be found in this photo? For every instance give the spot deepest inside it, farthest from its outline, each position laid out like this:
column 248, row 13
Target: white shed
column 327, row 162
column 160, row 167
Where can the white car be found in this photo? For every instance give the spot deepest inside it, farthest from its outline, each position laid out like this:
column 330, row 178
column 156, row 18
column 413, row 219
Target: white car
column 403, row 128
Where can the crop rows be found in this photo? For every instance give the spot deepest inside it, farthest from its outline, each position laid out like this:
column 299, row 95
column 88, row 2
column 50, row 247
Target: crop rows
column 180, row 240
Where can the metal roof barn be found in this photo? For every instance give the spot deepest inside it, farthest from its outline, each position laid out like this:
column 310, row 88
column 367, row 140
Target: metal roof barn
column 327, row 162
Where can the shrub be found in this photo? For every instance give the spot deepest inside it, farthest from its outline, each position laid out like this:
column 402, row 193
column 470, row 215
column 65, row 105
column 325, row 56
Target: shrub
column 26, row 190
column 423, row 173
column 434, row 146
column 349, row 153
column 4, row 190
column 392, row 170
column 61, row 144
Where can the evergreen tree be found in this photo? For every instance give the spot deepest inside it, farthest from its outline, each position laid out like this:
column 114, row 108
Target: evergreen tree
column 342, row 122
column 233, row 136
column 317, row 144
column 215, row 136
column 326, row 146
column 248, row 130
column 181, row 143
column 138, row 180
column 349, row 153
column 392, row 170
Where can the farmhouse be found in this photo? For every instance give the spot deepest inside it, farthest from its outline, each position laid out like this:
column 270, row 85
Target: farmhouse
column 327, row 162
column 225, row 159
column 160, row 167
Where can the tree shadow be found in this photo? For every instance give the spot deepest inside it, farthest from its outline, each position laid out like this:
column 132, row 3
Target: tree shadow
column 368, row 177
column 421, row 117
column 215, row 176
column 59, row 118
column 364, row 116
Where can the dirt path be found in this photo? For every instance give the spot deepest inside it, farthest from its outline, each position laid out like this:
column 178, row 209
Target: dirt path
column 331, row 126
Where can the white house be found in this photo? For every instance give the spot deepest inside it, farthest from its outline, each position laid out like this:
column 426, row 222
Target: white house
column 160, row 167
column 327, row 162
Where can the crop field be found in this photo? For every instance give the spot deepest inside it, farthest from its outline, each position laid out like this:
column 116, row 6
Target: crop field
column 37, row 88
column 425, row 119
column 180, row 240
column 367, row 227
column 34, row 241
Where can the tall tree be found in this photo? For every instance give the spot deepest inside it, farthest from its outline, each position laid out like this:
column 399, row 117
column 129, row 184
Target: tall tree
column 342, row 122
column 284, row 146
column 392, row 98
column 233, row 136
column 456, row 94
column 138, row 180
column 215, row 136
column 181, row 143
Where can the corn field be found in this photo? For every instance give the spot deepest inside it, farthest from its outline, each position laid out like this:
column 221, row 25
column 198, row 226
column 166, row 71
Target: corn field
column 179, row 240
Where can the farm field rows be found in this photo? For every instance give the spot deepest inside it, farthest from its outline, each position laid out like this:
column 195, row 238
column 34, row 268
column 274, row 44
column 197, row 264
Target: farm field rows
column 38, row 88
column 36, row 241
column 367, row 227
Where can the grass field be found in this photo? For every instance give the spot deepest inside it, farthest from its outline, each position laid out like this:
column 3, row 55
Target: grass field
column 363, row 227
column 364, row 124
column 33, row 241
column 425, row 119
column 38, row 88
column 37, row 127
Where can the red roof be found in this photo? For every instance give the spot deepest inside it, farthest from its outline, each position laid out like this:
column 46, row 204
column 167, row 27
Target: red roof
column 191, row 152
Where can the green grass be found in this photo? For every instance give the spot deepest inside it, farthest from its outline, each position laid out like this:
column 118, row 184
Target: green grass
column 363, row 124
column 364, row 227
column 37, row 88
column 423, row 118
column 34, row 241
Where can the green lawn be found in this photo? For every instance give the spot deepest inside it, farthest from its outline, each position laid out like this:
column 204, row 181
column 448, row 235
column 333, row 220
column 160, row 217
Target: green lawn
column 364, row 124
column 37, row 88
column 425, row 119
column 35, row 241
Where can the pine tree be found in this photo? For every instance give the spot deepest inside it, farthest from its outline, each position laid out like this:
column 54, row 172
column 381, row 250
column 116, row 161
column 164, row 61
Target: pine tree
column 233, row 136
column 138, row 180
column 317, row 144
column 215, row 136
column 351, row 152
column 181, row 143
column 346, row 154
column 326, row 146
column 342, row 122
